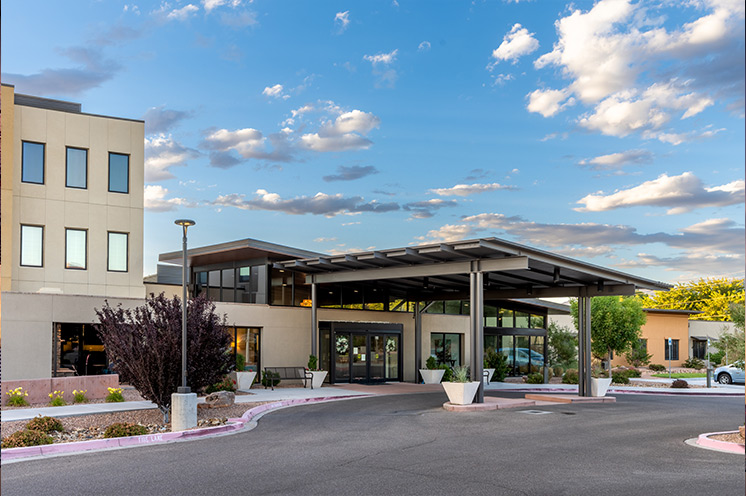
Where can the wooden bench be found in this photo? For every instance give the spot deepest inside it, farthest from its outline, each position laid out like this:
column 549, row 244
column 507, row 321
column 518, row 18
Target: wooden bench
column 287, row 373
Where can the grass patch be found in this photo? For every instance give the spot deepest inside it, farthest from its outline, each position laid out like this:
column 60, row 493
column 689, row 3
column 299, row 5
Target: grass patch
column 681, row 375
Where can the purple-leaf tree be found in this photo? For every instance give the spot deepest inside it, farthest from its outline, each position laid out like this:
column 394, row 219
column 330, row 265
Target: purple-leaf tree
column 144, row 346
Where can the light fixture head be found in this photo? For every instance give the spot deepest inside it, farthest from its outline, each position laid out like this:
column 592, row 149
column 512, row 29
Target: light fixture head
column 184, row 222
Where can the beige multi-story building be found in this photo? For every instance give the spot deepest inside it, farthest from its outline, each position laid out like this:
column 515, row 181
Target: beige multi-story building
column 72, row 230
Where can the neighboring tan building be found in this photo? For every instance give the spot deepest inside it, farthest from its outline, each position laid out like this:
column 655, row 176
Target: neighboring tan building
column 72, row 231
column 659, row 327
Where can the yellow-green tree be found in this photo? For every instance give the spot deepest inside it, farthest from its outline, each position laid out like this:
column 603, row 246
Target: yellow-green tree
column 712, row 297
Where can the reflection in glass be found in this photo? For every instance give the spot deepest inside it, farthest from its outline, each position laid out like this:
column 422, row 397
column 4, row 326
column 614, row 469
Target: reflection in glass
column 342, row 356
column 506, row 318
column 77, row 168
column 522, row 354
column 521, row 320
column 392, row 357
column 537, row 353
column 377, row 359
column 75, row 248
column 119, row 170
column 359, row 357
column 32, row 238
column 506, row 348
column 32, row 169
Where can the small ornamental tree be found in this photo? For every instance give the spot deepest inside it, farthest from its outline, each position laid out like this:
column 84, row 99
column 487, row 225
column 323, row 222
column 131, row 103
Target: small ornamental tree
column 638, row 355
column 563, row 346
column 615, row 324
column 144, row 345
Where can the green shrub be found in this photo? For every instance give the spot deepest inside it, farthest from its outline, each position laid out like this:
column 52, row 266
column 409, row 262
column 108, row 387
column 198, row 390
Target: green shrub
column 620, row 377
column 497, row 361
column 570, row 377
column 535, row 378
column 313, row 362
column 431, row 363
column 633, row 373
column 557, row 371
column 241, row 362
column 717, row 358
column 115, row 395
column 460, row 374
column 44, row 424
column 448, row 374
column 680, row 384
column 656, row 367
column 20, row 439
column 225, row 385
column 270, row 379
column 124, row 429
column 17, row 397
column 693, row 363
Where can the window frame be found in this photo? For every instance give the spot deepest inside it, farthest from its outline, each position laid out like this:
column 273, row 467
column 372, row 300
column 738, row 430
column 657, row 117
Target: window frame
column 108, row 252
column 21, row 246
column 43, row 161
column 85, row 264
column 674, row 349
column 67, row 167
column 128, row 173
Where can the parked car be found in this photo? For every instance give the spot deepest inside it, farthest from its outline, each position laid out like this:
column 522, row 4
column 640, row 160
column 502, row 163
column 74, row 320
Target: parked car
column 728, row 374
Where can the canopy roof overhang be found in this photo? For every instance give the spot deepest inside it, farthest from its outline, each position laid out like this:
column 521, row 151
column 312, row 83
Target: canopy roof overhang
column 441, row 271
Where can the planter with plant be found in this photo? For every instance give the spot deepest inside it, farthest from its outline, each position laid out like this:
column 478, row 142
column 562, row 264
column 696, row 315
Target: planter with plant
column 432, row 374
column 600, row 382
column 461, row 390
column 318, row 375
column 242, row 377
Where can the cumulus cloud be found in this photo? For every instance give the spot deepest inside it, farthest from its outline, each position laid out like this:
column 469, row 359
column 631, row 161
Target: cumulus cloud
column 382, row 58
column 470, row 189
column 319, row 204
column 210, row 5
column 342, row 20
column 681, row 193
column 346, row 132
column 155, row 200
column 637, row 75
column 249, row 143
column 159, row 120
column 548, row 102
column 163, row 152
column 183, row 13
column 516, row 43
column 275, row 91
column 350, row 173
column 615, row 161
column 381, row 62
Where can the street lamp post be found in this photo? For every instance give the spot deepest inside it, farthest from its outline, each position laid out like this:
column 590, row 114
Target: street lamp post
column 184, row 223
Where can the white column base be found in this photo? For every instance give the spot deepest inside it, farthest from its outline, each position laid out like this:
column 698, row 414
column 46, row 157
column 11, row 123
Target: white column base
column 183, row 411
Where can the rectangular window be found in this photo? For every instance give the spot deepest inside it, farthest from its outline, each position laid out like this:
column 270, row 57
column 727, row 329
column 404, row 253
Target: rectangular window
column 32, row 163
column 118, row 252
column 76, row 175
column 119, row 173
column 446, row 348
column 32, row 246
column 76, row 248
column 674, row 349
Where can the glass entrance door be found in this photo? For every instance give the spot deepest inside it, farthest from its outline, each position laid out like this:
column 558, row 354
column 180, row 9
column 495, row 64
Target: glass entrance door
column 359, row 358
column 366, row 357
column 376, row 359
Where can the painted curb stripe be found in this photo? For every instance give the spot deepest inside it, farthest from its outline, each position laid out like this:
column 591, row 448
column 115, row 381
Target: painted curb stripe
column 98, row 444
column 704, row 440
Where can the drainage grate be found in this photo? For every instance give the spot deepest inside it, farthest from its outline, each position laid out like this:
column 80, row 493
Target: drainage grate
column 534, row 412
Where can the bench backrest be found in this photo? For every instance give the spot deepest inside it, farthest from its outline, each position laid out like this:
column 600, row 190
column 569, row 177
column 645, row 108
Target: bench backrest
column 288, row 372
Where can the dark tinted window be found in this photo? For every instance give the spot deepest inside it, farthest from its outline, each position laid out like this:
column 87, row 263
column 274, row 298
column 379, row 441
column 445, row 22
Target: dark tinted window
column 119, row 173
column 33, row 163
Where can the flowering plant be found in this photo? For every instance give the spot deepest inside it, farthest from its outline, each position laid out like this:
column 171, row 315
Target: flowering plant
column 56, row 398
column 115, row 395
column 80, row 396
column 343, row 345
column 17, row 397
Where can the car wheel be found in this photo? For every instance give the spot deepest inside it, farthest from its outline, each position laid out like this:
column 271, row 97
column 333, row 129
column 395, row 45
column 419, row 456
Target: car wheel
column 724, row 378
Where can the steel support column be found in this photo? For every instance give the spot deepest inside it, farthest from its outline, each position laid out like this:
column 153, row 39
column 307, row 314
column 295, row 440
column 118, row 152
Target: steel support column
column 314, row 322
column 588, row 345
column 581, row 346
column 417, row 342
column 476, row 307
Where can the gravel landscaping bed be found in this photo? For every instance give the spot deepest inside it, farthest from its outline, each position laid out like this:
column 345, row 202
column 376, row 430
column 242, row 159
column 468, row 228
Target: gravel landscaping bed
column 86, row 427
column 730, row 437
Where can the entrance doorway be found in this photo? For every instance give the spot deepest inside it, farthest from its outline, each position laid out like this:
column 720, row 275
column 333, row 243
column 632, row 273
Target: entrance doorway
column 365, row 353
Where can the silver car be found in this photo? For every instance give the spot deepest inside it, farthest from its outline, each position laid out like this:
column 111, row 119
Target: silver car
column 728, row 374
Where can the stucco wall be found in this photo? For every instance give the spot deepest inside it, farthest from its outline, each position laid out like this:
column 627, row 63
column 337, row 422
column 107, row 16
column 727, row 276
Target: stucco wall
column 658, row 328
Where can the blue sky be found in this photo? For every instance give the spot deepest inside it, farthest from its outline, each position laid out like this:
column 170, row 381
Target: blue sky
column 608, row 131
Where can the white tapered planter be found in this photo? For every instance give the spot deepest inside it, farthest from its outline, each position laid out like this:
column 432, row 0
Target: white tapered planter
column 461, row 393
column 318, row 378
column 599, row 385
column 488, row 377
column 243, row 380
column 432, row 376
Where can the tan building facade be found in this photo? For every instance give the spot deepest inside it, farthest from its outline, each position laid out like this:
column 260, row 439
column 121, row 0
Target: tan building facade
column 72, row 229
column 659, row 327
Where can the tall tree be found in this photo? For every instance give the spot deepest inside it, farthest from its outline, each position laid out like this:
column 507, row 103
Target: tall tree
column 733, row 343
column 712, row 297
column 615, row 324
column 144, row 345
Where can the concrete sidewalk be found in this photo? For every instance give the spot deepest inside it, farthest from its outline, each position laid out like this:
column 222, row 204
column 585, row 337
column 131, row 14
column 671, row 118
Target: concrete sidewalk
column 338, row 390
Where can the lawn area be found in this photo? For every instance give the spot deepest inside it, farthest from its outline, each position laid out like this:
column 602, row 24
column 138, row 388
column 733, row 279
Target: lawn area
column 681, row 375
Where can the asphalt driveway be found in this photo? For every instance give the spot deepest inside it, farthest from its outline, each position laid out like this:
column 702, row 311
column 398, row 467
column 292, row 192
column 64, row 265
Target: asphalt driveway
column 408, row 444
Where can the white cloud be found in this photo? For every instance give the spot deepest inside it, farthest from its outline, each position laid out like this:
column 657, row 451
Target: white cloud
column 615, row 161
column 209, row 5
column 275, row 91
column 548, row 102
column 382, row 58
column 183, row 13
column 155, row 200
column 319, row 204
column 342, row 20
column 516, row 43
column 161, row 153
column 324, row 240
column 346, row 132
column 160, row 120
column 681, row 193
column 470, row 189
column 423, row 46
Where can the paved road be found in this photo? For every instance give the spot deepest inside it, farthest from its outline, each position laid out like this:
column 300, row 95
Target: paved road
column 409, row 445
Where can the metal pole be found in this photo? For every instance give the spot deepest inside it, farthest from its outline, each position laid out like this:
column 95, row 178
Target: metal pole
column 669, row 358
column 417, row 342
column 581, row 346
column 314, row 322
column 587, row 346
column 184, row 388
column 479, row 338
column 473, row 326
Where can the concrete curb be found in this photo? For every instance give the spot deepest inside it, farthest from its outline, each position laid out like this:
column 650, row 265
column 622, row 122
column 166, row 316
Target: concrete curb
column 662, row 391
column 705, row 441
column 235, row 424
